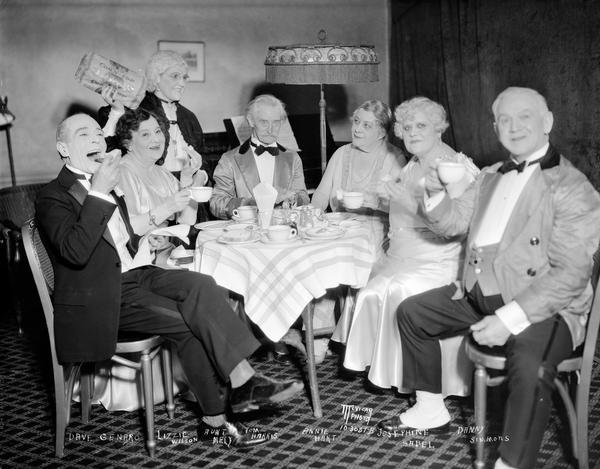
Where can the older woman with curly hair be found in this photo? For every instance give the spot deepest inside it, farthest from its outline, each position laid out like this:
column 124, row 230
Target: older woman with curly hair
column 359, row 166
column 417, row 259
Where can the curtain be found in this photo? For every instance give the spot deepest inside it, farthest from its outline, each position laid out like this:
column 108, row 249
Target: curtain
column 462, row 53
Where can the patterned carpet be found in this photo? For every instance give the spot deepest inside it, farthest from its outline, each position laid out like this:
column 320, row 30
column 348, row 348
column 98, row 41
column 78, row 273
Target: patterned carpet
column 116, row 439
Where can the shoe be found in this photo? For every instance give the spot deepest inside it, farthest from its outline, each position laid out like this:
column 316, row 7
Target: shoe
column 260, row 391
column 321, row 347
column 395, row 425
column 293, row 338
column 233, row 434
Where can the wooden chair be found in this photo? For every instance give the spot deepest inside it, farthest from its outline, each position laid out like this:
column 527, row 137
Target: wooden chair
column 65, row 375
column 581, row 363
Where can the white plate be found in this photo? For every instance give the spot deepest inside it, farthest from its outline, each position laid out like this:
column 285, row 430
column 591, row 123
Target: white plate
column 337, row 217
column 326, row 232
column 324, row 238
column 254, row 239
column 212, row 225
column 243, row 220
column 287, row 242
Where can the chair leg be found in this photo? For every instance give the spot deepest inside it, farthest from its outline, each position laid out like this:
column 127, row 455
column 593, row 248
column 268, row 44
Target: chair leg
column 480, row 384
column 85, row 392
column 307, row 315
column 167, row 373
column 582, row 404
column 148, row 401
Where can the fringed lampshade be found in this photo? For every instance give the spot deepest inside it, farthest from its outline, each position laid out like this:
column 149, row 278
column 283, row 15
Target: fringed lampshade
column 305, row 64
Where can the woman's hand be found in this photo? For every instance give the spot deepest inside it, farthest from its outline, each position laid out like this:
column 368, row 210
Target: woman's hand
column 195, row 161
column 190, row 174
column 433, row 184
column 108, row 93
column 178, row 201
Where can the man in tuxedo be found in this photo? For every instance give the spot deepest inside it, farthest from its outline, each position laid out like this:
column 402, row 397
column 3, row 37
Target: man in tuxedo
column 98, row 292
column 533, row 224
column 258, row 159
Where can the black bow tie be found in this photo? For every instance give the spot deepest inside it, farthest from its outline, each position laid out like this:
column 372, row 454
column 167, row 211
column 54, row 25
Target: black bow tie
column 260, row 149
column 510, row 165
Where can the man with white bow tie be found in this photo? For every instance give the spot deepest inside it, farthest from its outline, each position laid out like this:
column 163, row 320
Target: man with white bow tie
column 258, row 159
column 533, row 225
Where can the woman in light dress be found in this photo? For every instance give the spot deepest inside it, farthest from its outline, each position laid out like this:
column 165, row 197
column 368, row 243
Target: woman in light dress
column 358, row 167
column 417, row 259
column 153, row 195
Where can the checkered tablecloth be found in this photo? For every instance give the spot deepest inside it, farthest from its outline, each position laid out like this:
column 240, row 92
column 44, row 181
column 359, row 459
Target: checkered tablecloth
column 278, row 282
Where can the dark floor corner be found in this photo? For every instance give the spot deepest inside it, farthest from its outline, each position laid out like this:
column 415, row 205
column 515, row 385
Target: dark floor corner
column 116, row 439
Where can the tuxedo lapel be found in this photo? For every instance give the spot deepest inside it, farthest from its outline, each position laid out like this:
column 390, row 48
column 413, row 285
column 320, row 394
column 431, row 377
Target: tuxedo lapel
column 79, row 193
column 247, row 166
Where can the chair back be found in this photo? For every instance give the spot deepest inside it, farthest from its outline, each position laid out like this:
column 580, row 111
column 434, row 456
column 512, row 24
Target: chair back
column 43, row 276
column 593, row 324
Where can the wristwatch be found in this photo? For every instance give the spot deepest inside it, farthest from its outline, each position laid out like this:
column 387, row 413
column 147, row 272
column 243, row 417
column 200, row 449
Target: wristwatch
column 152, row 218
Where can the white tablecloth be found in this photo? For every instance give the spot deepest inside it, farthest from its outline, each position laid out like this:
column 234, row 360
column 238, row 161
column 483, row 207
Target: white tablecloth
column 278, row 282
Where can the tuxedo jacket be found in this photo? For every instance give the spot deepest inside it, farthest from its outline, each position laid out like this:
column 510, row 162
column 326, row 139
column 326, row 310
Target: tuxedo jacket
column 87, row 269
column 236, row 175
column 544, row 258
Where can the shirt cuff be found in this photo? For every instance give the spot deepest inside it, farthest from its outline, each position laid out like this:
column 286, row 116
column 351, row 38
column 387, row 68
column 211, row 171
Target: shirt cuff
column 111, row 123
column 433, row 201
column 513, row 317
column 100, row 195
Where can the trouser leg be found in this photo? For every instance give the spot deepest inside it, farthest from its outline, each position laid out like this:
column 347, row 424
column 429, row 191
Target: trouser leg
column 532, row 358
column 191, row 311
column 423, row 320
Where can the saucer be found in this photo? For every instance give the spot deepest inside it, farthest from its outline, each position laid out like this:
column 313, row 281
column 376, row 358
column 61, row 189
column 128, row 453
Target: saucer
column 221, row 239
column 337, row 217
column 324, row 233
column 212, row 225
column 237, row 219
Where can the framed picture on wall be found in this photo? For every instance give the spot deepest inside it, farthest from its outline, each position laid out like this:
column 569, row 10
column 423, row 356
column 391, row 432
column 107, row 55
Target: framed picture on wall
column 192, row 52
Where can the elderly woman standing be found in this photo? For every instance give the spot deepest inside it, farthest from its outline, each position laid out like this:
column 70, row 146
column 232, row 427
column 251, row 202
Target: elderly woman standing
column 167, row 75
column 417, row 259
column 360, row 165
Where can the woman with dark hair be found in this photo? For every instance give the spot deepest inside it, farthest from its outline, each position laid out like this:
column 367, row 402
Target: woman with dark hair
column 359, row 166
column 153, row 195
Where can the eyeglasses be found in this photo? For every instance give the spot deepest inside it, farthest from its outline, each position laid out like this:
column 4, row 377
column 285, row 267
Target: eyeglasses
column 367, row 125
column 176, row 76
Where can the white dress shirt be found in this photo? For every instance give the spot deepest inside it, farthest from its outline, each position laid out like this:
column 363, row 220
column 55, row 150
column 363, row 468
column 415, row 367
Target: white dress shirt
column 116, row 226
column 265, row 163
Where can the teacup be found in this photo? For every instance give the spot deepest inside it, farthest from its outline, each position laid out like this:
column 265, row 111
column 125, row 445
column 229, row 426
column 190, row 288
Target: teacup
column 353, row 200
column 245, row 212
column 238, row 232
column 280, row 233
column 450, row 172
column 200, row 193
